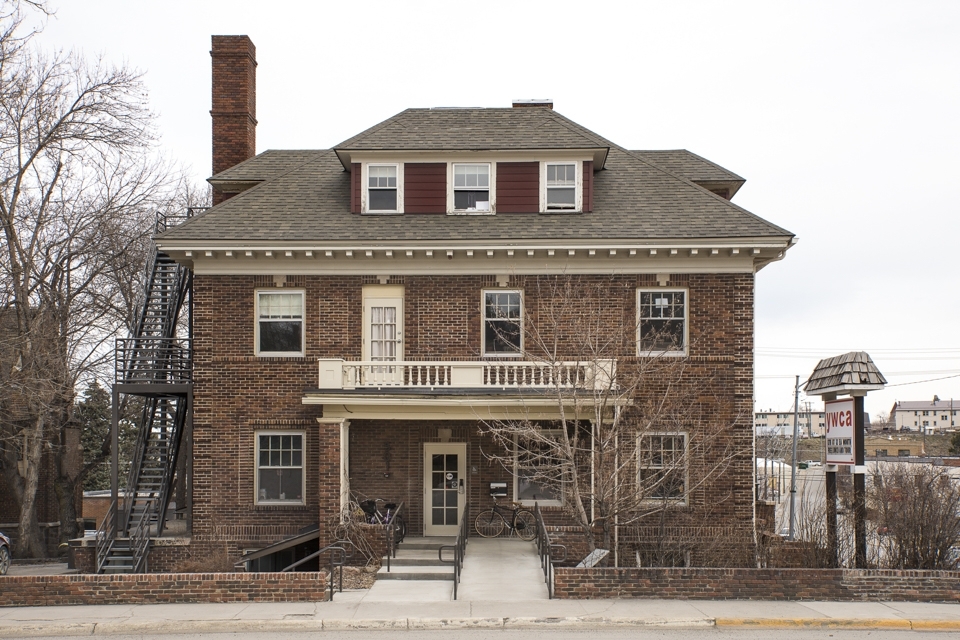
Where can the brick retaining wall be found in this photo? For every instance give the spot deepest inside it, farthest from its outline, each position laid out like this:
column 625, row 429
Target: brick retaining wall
column 162, row 588
column 758, row 584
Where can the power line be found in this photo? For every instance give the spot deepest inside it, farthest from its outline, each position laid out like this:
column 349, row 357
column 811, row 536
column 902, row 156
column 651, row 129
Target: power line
column 901, row 384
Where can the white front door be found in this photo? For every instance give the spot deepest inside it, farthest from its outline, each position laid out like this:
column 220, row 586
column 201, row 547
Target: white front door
column 444, row 487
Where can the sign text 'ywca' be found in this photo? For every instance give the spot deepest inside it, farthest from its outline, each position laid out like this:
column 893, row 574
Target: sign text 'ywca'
column 840, row 424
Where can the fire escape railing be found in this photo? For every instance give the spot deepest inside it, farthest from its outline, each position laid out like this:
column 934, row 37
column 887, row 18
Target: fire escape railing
column 154, row 363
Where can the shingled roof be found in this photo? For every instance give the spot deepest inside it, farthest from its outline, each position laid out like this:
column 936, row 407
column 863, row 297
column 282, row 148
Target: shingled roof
column 689, row 165
column 303, row 196
column 852, row 371
column 474, row 130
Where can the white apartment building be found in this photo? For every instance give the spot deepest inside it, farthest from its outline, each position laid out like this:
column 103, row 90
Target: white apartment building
column 931, row 416
column 810, row 423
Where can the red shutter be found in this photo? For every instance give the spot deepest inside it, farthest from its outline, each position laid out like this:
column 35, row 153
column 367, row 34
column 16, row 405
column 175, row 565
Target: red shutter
column 425, row 187
column 518, row 187
column 355, row 175
column 588, row 185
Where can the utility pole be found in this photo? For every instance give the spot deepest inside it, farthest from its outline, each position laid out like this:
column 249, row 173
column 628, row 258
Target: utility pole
column 793, row 461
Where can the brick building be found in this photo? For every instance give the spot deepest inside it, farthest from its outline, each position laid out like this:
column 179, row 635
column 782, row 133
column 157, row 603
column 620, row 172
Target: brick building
column 359, row 311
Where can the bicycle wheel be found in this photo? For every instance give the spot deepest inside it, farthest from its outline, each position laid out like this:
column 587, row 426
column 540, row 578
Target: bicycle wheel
column 489, row 524
column 526, row 525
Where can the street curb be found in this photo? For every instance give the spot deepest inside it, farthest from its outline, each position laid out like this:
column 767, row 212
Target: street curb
column 35, row 629
column 816, row 623
column 233, row 625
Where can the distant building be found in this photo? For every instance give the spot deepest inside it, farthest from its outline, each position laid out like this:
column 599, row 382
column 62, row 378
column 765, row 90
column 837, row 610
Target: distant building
column 931, row 416
column 810, row 423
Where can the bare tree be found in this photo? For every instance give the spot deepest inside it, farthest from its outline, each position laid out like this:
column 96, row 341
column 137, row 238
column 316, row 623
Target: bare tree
column 79, row 187
column 629, row 437
column 916, row 511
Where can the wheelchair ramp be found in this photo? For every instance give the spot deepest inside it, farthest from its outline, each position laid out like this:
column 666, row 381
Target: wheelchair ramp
column 501, row 569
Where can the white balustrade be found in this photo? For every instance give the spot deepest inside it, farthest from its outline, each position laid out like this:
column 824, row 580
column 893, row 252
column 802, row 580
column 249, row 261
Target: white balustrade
column 491, row 375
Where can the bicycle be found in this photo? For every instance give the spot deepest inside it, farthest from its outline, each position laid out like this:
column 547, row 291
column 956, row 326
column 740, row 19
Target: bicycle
column 374, row 515
column 490, row 523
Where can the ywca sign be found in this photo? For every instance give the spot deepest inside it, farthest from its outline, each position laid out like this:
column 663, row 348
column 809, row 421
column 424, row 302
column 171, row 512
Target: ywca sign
column 840, row 425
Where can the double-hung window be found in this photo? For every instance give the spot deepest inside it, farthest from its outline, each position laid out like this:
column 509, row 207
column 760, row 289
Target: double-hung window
column 662, row 466
column 382, row 188
column 471, row 187
column 561, row 186
column 280, row 478
column 661, row 321
column 502, row 323
column 279, row 323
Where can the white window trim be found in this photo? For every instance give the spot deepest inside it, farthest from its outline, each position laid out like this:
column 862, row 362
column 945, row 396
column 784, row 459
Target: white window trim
column 365, row 190
column 683, row 501
column 676, row 353
column 483, row 323
column 256, row 468
column 256, row 323
column 493, row 189
column 578, row 202
column 516, row 476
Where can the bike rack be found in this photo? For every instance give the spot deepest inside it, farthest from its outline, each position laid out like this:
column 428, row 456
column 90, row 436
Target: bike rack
column 459, row 548
column 546, row 550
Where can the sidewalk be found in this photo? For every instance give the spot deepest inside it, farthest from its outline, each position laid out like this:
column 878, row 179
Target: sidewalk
column 349, row 611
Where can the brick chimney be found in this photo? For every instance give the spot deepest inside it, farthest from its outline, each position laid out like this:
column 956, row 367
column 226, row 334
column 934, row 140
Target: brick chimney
column 546, row 103
column 234, row 109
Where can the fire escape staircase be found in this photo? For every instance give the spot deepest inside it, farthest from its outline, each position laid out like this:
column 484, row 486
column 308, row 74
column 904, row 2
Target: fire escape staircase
column 155, row 365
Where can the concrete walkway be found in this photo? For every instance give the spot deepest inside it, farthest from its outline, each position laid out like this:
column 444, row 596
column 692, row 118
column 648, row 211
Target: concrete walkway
column 501, row 569
column 350, row 611
column 493, row 569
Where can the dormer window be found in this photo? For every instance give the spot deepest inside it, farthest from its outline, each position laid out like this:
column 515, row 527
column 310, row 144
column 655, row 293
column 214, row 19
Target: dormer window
column 471, row 188
column 382, row 188
column 561, row 186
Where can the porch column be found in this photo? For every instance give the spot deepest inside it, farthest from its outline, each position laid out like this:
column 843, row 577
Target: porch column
column 344, row 458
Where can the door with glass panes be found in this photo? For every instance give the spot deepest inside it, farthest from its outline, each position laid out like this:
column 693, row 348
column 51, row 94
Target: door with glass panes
column 444, row 485
column 383, row 332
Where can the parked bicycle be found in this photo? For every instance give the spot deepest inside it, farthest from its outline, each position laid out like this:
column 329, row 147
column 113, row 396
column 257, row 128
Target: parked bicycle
column 374, row 515
column 491, row 523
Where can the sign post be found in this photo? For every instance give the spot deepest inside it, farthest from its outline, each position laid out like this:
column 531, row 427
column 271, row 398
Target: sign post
column 852, row 374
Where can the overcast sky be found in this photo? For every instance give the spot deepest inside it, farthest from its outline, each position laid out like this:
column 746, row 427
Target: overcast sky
column 842, row 116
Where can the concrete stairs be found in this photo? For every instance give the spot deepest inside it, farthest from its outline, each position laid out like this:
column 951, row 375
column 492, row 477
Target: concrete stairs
column 418, row 559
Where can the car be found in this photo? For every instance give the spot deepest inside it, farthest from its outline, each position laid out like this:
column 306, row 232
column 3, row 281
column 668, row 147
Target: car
column 4, row 554
column 812, row 463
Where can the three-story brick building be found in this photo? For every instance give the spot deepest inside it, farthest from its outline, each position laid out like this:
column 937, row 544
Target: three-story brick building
column 360, row 311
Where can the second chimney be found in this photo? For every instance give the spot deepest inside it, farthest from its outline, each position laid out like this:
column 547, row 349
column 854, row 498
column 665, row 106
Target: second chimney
column 234, row 110
column 546, row 103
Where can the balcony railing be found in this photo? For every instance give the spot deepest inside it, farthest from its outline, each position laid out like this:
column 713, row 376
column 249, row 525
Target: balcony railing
column 336, row 373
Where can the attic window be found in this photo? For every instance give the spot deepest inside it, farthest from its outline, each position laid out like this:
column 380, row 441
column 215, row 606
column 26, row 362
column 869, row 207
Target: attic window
column 561, row 186
column 471, row 188
column 382, row 188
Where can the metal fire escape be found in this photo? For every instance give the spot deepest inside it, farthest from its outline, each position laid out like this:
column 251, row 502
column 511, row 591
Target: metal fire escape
column 155, row 365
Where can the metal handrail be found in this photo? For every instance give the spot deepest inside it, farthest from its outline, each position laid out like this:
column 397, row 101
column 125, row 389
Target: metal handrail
column 459, row 548
column 391, row 533
column 546, row 549
column 106, row 536
column 338, row 556
column 153, row 360
column 140, row 542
